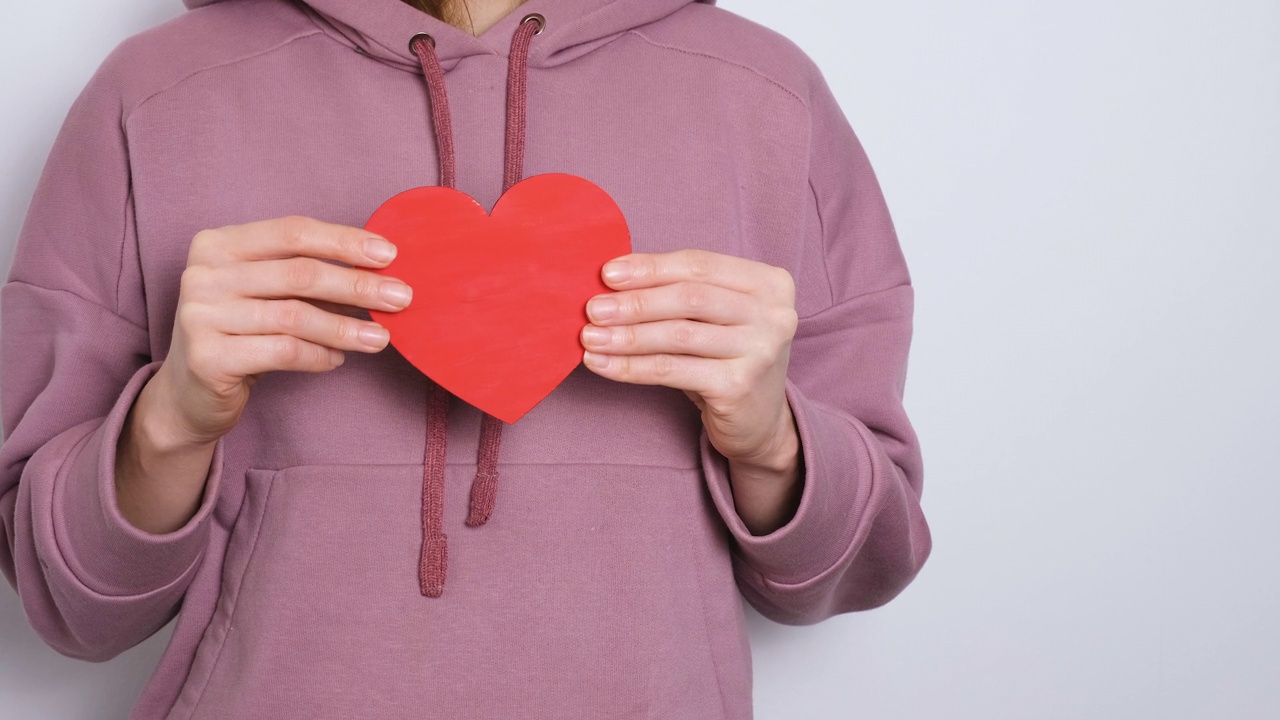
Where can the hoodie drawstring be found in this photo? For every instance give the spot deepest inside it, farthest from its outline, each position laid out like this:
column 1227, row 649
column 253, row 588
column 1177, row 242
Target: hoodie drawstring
column 433, row 561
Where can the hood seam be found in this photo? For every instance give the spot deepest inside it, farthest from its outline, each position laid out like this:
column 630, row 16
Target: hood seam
column 315, row 17
column 569, row 35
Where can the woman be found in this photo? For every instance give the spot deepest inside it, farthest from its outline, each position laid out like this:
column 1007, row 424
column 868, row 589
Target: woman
column 196, row 241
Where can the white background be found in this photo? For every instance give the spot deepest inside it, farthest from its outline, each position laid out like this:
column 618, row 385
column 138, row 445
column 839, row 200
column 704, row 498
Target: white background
column 1088, row 195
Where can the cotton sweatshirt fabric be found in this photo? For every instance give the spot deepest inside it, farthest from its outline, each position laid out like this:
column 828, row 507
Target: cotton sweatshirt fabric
column 609, row 580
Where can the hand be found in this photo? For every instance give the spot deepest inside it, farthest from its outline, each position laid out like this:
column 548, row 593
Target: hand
column 717, row 327
column 260, row 297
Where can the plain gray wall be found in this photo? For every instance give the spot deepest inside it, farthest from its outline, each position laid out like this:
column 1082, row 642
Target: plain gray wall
column 1088, row 195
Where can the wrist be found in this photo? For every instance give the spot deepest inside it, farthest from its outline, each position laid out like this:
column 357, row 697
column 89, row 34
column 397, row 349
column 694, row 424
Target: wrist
column 779, row 455
column 156, row 426
column 160, row 470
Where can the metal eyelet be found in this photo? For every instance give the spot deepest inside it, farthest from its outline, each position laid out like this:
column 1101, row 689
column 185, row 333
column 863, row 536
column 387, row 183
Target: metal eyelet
column 415, row 37
column 542, row 21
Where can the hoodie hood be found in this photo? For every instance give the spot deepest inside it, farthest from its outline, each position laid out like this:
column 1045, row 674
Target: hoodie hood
column 382, row 28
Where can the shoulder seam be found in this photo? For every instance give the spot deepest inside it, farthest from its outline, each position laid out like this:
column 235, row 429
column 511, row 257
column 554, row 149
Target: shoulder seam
column 858, row 297
column 126, row 115
column 82, row 298
column 240, row 58
column 640, row 34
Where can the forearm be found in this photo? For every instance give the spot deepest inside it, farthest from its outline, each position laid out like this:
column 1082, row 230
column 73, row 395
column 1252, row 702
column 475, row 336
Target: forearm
column 160, row 477
column 767, row 490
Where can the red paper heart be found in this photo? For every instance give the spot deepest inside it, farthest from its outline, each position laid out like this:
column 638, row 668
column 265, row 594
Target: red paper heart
column 499, row 299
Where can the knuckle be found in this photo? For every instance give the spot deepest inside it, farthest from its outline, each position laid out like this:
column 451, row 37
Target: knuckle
column 290, row 315
column 201, row 243
column 693, row 296
column 352, row 245
column 642, row 266
column 345, row 332
column 684, row 336
column 365, row 285
column 784, row 283
column 285, row 351
column 624, row 337
column 194, row 278
column 293, row 230
column 634, row 304
column 300, row 274
column 188, row 316
column 699, row 264
column 664, row 365
column 787, row 320
column 199, row 282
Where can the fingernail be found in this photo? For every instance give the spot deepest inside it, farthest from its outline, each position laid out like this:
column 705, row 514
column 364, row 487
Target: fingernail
column 593, row 335
column 616, row 270
column 379, row 250
column 595, row 359
column 396, row 293
column 374, row 336
column 602, row 308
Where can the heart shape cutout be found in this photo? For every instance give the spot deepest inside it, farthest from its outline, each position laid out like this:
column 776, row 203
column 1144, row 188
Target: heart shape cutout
column 499, row 299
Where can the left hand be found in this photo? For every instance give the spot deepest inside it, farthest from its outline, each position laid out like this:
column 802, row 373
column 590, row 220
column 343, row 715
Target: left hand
column 717, row 327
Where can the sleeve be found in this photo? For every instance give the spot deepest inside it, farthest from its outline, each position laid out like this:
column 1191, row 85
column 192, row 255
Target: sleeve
column 74, row 355
column 858, row 536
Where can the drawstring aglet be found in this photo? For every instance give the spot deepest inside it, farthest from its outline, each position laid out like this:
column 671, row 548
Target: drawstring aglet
column 483, row 490
column 434, row 564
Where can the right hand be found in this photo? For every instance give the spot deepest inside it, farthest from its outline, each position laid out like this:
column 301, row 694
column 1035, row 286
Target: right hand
column 258, row 297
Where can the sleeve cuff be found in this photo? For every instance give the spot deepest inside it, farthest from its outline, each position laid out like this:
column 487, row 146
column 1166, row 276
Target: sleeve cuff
column 836, row 492
column 105, row 551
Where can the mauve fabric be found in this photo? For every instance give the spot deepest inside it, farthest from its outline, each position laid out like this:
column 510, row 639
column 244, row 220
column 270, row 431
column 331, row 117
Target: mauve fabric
column 609, row 580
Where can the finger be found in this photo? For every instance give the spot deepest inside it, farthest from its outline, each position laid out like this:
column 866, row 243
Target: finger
column 683, row 337
column 682, row 300
column 683, row 372
column 735, row 273
column 302, row 320
column 255, row 354
column 293, row 236
column 311, row 278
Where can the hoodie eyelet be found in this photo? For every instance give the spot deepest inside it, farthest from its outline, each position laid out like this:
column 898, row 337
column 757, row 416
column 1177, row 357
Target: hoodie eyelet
column 415, row 37
column 542, row 21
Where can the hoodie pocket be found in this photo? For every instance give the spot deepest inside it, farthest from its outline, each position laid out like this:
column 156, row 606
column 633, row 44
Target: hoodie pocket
column 583, row 590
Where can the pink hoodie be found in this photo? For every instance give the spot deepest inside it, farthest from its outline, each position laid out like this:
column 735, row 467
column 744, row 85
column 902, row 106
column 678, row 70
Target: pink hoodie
column 606, row 580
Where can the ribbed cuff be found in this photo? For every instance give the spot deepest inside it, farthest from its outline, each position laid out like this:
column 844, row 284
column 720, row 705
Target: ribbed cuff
column 837, row 487
column 105, row 551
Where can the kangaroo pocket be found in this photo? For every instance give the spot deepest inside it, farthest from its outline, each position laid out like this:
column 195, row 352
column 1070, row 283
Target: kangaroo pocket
column 582, row 596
